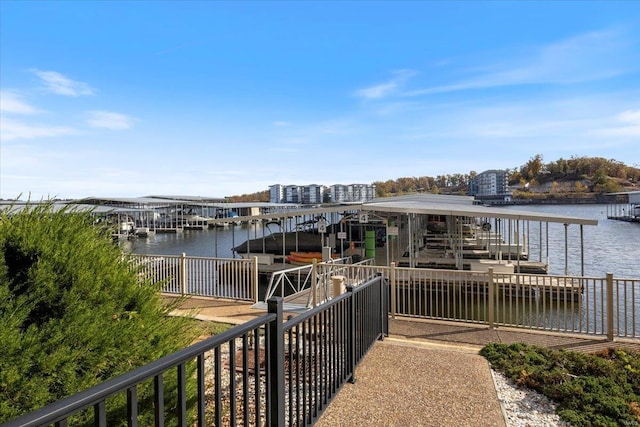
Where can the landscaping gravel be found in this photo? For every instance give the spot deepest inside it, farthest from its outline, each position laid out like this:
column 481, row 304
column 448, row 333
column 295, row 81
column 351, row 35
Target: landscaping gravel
column 524, row 407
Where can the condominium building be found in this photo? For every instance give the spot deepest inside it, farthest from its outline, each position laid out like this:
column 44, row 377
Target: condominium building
column 491, row 186
column 314, row 193
column 352, row 193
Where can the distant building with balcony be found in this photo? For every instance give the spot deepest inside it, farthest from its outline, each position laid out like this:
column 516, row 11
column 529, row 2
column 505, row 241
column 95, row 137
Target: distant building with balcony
column 314, row 194
column 292, row 194
column 491, row 187
column 311, row 194
column 352, row 193
column 302, row 194
column 276, row 193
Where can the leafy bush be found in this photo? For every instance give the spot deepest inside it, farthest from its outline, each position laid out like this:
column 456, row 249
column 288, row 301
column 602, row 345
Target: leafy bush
column 590, row 389
column 72, row 311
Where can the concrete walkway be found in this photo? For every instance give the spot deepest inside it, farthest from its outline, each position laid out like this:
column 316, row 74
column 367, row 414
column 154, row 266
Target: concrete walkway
column 402, row 383
column 425, row 373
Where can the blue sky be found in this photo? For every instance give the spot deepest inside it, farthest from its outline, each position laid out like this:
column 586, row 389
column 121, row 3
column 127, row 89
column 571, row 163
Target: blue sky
column 222, row 98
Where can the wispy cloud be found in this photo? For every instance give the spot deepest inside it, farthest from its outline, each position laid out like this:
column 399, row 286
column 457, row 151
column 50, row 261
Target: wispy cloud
column 109, row 120
column 586, row 57
column 628, row 125
column 282, row 123
column 14, row 129
column 11, row 102
column 62, row 85
column 385, row 89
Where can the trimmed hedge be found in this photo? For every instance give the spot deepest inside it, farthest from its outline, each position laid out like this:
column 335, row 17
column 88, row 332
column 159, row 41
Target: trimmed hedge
column 72, row 311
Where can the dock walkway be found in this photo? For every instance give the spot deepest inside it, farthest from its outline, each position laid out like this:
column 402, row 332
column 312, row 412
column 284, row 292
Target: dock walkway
column 426, row 373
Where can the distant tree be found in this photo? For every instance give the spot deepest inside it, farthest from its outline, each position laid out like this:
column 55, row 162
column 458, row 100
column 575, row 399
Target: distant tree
column 262, row 196
column 73, row 313
column 326, row 196
column 604, row 184
column 533, row 167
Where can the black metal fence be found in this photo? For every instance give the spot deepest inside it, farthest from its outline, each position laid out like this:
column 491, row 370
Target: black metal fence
column 264, row 372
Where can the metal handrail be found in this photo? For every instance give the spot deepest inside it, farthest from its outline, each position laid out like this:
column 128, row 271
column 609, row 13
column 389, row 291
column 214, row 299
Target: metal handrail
column 63, row 408
column 340, row 333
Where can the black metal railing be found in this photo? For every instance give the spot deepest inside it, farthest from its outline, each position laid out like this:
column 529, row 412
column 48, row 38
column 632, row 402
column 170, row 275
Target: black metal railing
column 325, row 344
column 263, row 372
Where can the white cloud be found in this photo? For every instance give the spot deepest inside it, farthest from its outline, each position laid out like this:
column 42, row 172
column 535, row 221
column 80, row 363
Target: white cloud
column 61, row 85
column 630, row 116
column 388, row 88
column 583, row 58
column 281, row 123
column 109, row 120
column 626, row 124
column 12, row 130
column 11, row 102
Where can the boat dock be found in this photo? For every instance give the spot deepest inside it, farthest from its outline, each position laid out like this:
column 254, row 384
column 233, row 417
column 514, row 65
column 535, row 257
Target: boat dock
column 628, row 210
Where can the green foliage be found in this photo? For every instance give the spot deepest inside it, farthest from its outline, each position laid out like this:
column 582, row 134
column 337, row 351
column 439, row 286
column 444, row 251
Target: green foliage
column 591, row 390
column 72, row 311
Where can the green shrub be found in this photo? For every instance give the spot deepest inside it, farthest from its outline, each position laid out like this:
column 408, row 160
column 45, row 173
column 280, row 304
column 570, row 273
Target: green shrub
column 590, row 389
column 72, row 311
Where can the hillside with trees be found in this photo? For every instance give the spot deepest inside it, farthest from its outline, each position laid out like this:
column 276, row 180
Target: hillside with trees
column 575, row 178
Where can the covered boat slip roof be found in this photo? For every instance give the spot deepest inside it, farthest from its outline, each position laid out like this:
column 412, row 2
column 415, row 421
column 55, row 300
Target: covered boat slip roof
column 69, row 206
column 431, row 204
column 160, row 201
column 292, row 213
column 434, row 204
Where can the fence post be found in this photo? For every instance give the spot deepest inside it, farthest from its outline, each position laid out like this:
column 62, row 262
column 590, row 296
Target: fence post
column 351, row 334
column 392, row 277
column 384, row 310
column 276, row 364
column 492, row 297
column 183, row 273
column 314, row 283
column 255, row 279
column 609, row 307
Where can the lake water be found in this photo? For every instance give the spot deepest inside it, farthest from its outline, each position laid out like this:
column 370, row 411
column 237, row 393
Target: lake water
column 610, row 247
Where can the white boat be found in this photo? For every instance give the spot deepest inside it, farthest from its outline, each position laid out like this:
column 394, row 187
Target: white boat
column 143, row 232
column 195, row 222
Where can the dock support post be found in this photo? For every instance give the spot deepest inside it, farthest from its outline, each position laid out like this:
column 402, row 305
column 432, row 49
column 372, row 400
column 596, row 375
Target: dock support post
column 582, row 250
column 392, row 280
column 609, row 307
column 491, row 293
column 183, row 273
column 255, row 279
column 314, row 283
column 566, row 249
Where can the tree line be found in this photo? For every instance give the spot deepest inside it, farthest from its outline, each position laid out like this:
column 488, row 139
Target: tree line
column 573, row 175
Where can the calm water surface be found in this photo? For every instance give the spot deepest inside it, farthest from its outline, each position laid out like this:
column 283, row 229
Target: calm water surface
column 609, row 247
